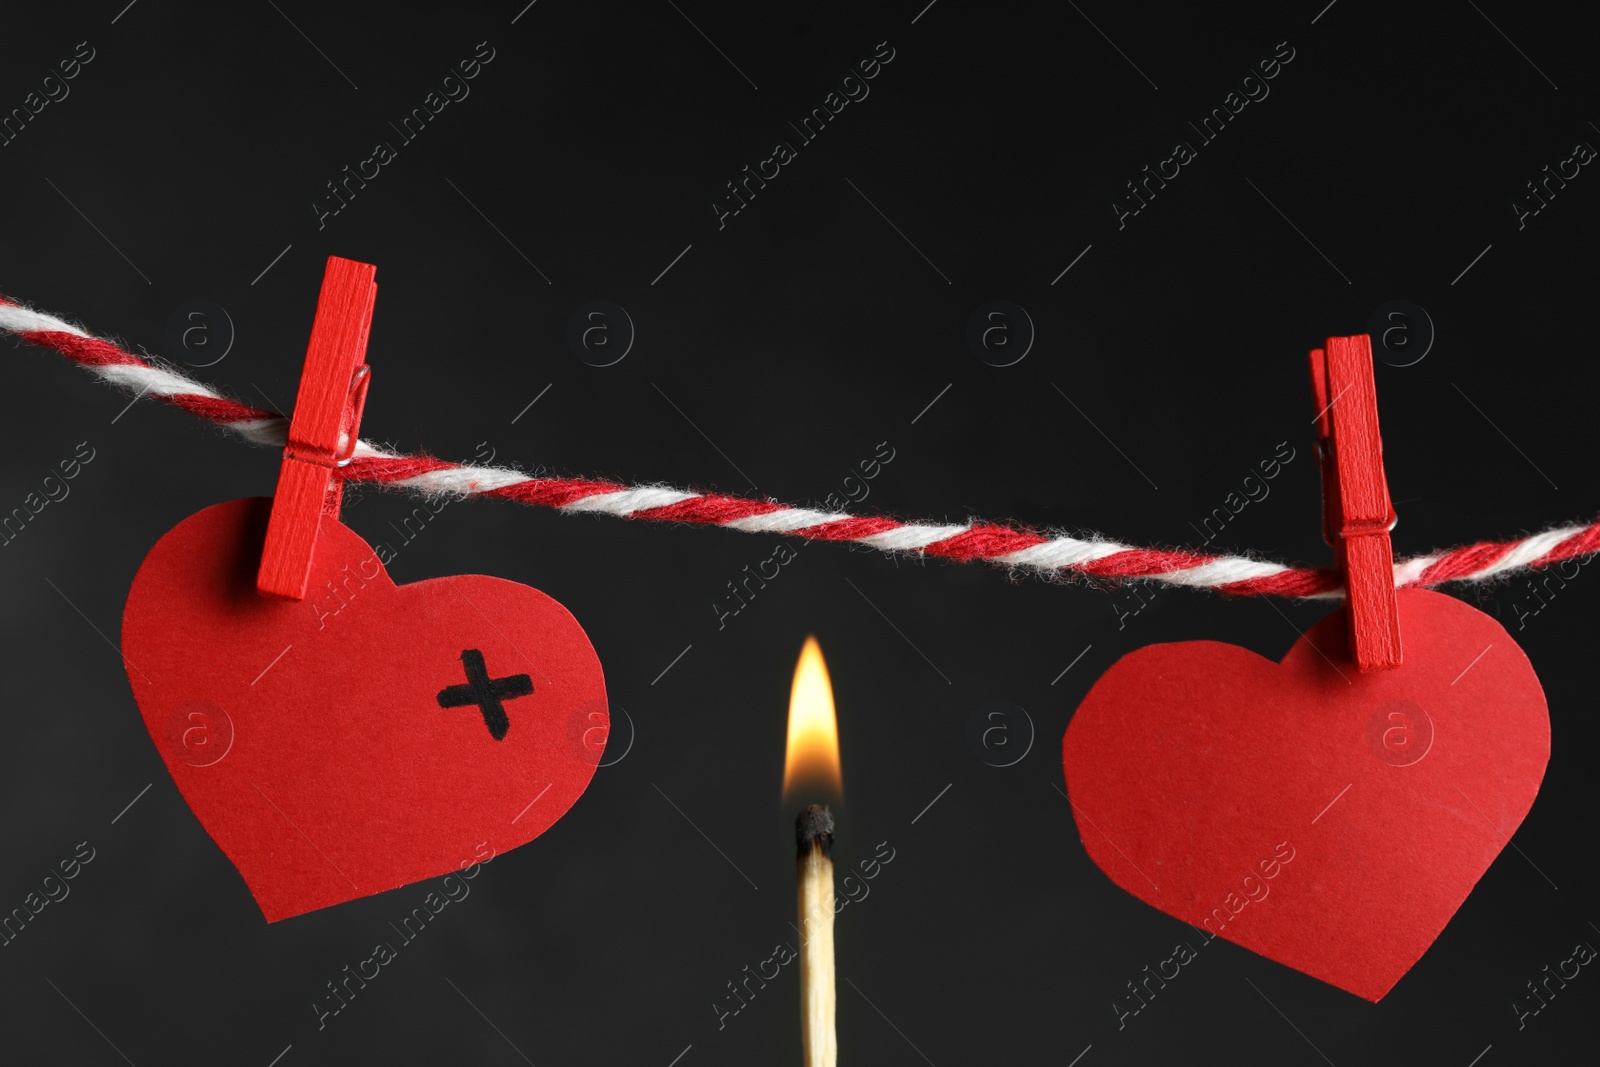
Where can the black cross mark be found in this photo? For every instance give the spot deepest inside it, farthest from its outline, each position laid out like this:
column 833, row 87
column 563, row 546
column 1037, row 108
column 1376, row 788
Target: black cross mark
column 486, row 693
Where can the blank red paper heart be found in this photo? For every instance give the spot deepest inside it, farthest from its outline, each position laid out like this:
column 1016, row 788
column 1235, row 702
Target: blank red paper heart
column 1194, row 769
column 346, row 744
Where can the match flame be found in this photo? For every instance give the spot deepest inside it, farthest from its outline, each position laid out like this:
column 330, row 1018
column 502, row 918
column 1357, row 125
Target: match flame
column 811, row 759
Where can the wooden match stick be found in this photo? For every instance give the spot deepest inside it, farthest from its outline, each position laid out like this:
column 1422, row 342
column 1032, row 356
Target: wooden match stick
column 813, row 831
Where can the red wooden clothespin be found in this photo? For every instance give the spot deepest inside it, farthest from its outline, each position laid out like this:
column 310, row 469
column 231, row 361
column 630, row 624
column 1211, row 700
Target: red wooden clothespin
column 1357, row 514
column 322, row 433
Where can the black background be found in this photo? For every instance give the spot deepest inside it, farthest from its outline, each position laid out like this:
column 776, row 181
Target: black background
column 797, row 338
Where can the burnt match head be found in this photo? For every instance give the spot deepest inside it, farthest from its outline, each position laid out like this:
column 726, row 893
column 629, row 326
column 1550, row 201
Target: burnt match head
column 813, row 828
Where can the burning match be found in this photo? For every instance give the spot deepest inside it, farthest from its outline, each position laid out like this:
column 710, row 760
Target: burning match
column 811, row 771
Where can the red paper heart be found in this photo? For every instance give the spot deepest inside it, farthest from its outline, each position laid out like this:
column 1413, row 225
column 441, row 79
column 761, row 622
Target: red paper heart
column 1194, row 769
column 309, row 737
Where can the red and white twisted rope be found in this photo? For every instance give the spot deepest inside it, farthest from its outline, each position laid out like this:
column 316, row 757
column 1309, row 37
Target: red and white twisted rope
column 1046, row 554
